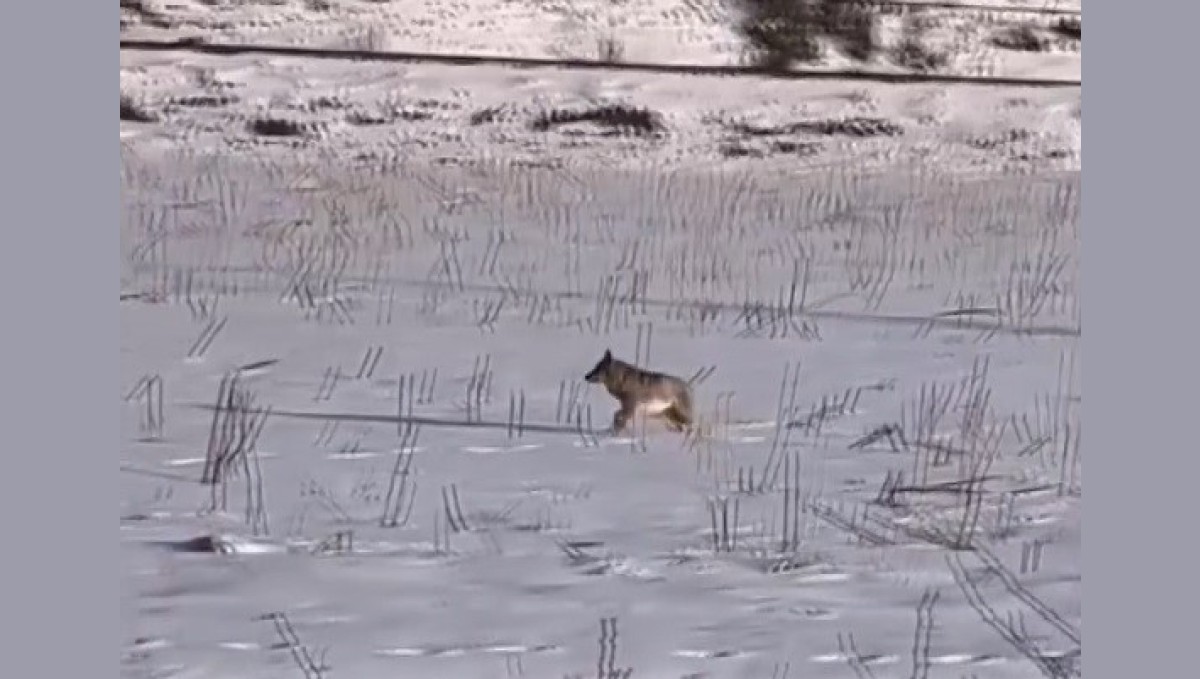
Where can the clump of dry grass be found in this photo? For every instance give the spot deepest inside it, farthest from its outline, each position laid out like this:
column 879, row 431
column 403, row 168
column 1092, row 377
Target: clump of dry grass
column 611, row 50
column 1020, row 38
column 1069, row 27
column 851, row 26
column 856, row 126
column 488, row 115
column 782, row 32
column 369, row 39
column 135, row 111
column 613, row 116
column 276, row 127
column 914, row 54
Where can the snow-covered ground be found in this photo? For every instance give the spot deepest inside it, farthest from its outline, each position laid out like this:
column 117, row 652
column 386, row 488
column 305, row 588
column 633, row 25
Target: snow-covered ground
column 410, row 268
column 644, row 31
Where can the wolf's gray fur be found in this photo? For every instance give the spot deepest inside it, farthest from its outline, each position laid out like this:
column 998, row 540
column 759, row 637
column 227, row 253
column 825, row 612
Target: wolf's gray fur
column 652, row 393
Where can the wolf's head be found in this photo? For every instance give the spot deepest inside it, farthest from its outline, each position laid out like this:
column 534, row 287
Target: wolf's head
column 596, row 374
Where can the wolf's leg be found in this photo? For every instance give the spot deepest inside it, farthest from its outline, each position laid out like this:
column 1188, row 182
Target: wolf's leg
column 680, row 411
column 673, row 422
column 674, row 419
column 683, row 406
column 620, row 419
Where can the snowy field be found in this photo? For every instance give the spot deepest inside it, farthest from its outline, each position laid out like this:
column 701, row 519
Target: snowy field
column 358, row 302
column 643, row 31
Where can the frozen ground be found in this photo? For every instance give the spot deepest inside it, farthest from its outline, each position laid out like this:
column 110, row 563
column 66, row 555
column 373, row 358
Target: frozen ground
column 410, row 291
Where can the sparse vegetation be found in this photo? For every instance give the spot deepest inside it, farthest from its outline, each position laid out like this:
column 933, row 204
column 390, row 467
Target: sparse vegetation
column 610, row 49
column 135, row 112
column 1069, row 27
column 385, row 116
column 614, row 117
column 487, row 115
column 204, row 100
column 138, row 9
column 369, row 39
column 784, row 32
column 852, row 26
column 606, row 663
column 311, row 666
column 912, row 52
column 1021, row 38
column 277, row 127
column 857, row 126
column 914, row 55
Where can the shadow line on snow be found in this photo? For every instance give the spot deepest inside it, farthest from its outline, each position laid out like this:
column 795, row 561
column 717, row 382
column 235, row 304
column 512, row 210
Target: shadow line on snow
column 952, row 319
column 415, row 420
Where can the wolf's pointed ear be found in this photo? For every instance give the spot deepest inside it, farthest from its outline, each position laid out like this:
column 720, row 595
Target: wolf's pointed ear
column 608, row 354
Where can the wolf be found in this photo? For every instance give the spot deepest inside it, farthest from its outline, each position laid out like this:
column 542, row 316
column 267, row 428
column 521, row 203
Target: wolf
column 651, row 393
